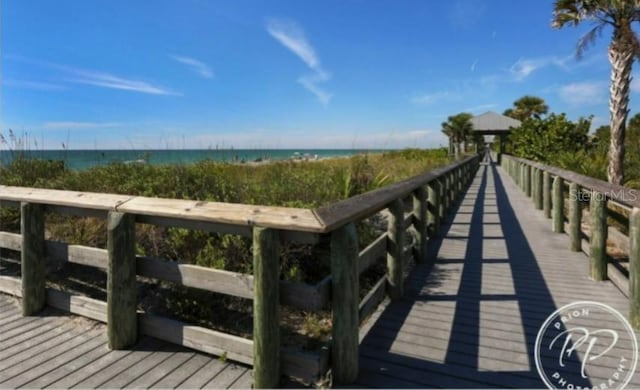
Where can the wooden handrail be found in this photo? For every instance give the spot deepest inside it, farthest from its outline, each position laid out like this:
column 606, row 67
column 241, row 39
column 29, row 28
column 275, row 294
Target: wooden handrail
column 599, row 266
column 322, row 220
column 268, row 226
column 285, row 218
column 361, row 206
column 617, row 193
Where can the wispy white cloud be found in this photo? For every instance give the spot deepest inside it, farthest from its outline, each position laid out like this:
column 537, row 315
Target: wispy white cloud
column 473, row 65
column 72, row 125
column 197, row 66
column 584, row 93
column 97, row 78
column 290, row 35
column 435, row 97
column 524, row 67
column 38, row 85
column 111, row 81
column 311, row 84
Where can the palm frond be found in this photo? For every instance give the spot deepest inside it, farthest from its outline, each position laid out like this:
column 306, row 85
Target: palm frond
column 588, row 39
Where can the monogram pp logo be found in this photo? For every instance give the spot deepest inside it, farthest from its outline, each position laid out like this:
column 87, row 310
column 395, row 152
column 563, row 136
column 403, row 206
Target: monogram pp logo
column 586, row 345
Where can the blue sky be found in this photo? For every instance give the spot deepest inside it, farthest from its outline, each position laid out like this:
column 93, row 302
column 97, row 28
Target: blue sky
column 282, row 74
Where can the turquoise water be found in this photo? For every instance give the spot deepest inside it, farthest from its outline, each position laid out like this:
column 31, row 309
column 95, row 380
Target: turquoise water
column 82, row 159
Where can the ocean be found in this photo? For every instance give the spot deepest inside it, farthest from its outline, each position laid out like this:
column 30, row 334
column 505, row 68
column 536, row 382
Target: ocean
column 83, row 159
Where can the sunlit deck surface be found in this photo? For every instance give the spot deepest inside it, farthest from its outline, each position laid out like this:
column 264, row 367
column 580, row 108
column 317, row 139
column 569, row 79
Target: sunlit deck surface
column 470, row 319
column 55, row 350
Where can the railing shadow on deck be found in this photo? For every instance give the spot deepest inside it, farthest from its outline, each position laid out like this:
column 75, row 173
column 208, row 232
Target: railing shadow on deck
column 459, row 368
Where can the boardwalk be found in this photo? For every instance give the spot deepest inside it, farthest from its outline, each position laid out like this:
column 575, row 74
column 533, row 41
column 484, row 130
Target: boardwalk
column 54, row 350
column 471, row 320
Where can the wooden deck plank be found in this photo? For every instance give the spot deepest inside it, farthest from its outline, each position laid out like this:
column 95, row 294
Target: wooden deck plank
column 183, row 372
column 27, row 356
column 205, row 374
column 112, row 371
column 32, row 328
column 160, row 371
column 56, row 350
column 141, row 368
column 10, row 318
column 32, row 339
column 226, row 377
column 92, row 367
column 74, row 365
column 43, row 369
column 244, row 381
column 17, row 325
column 474, row 315
column 37, row 356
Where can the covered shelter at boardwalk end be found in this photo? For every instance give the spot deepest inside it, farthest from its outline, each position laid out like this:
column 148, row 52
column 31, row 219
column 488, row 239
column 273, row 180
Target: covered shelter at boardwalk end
column 492, row 123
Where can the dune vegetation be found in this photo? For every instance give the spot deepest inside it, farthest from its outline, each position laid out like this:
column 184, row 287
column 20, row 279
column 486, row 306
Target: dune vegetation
column 288, row 183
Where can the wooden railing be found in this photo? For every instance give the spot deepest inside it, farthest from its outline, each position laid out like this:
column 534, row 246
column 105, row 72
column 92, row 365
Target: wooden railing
column 427, row 198
column 613, row 213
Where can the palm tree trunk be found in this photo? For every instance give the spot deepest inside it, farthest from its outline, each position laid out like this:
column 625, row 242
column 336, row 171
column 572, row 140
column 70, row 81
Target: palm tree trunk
column 621, row 63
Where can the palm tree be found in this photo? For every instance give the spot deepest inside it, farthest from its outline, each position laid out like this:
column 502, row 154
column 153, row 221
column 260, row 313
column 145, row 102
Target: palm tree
column 530, row 107
column 527, row 107
column 458, row 129
column 624, row 47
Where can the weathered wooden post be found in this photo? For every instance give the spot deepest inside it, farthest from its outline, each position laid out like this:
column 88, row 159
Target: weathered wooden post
column 527, row 180
column 512, row 171
column 434, row 208
column 546, row 194
column 33, row 262
column 634, row 268
column 122, row 321
column 454, row 187
column 533, row 185
column 420, row 222
column 598, row 242
column 345, row 299
column 558, row 205
column 446, row 198
column 537, row 193
column 575, row 218
column 441, row 199
column 395, row 243
column 522, row 177
column 266, row 308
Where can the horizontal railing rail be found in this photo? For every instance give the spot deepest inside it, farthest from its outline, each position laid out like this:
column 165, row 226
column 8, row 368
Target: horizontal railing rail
column 562, row 195
column 414, row 209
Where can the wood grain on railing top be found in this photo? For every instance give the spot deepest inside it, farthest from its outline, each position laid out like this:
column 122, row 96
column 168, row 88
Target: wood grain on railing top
column 84, row 200
column 364, row 205
column 617, row 193
column 230, row 213
column 286, row 218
